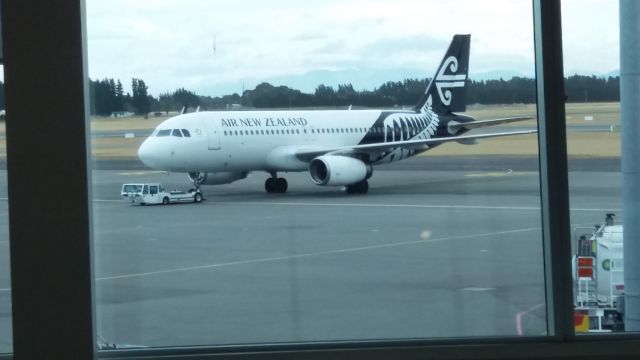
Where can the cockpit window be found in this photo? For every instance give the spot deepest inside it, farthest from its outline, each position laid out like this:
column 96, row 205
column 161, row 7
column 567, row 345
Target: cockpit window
column 166, row 132
column 176, row 132
column 185, row 132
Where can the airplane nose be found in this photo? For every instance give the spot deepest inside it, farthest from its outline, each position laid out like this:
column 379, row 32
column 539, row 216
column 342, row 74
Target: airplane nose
column 146, row 154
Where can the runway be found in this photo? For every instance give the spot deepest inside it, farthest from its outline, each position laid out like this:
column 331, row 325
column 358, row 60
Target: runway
column 429, row 252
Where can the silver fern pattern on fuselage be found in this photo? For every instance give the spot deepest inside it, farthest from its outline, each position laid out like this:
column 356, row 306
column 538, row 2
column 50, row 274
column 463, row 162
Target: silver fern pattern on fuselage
column 401, row 126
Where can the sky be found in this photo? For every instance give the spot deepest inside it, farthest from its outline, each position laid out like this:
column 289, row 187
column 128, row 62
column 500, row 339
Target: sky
column 220, row 47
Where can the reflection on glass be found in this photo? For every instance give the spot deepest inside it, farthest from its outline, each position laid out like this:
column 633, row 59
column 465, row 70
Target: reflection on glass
column 442, row 244
column 6, row 338
column 593, row 139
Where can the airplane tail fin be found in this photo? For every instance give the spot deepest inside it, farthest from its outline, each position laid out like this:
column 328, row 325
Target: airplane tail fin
column 446, row 92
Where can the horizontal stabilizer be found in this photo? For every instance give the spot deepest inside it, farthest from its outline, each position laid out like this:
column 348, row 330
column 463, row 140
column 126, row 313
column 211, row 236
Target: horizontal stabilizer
column 455, row 126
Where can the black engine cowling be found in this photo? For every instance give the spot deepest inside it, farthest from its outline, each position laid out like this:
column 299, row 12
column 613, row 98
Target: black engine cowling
column 338, row 170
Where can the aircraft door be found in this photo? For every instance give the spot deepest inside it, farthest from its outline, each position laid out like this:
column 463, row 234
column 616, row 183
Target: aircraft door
column 213, row 135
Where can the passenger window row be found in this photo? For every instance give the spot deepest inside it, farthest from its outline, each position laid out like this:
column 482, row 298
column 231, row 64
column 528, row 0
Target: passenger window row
column 403, row 123
column 294, row 131
column 413, row 123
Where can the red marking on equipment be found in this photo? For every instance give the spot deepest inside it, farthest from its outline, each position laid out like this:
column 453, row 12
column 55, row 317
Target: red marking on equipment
column 620, row 287
column 585, row 261
column 585, row 272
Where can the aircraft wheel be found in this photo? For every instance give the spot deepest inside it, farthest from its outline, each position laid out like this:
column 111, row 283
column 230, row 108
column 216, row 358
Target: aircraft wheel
column 197, row 197
column 358, row 188
column 281, row 185
column 270, row 185
column 363, row 187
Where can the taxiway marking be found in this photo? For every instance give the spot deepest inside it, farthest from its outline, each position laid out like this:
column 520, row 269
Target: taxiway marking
column 137, row 173
column 314, row 254
column 507, row 172
column 415, row 206
column 519, row 318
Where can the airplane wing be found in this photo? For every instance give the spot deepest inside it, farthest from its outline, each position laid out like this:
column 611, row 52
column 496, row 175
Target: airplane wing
column 421, row 144
column 455, row 126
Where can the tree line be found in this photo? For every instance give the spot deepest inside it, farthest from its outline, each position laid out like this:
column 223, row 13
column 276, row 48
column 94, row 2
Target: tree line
column 107, row 95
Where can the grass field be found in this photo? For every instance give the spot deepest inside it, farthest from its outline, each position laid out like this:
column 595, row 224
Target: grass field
column 602, row 113
column 597, row 144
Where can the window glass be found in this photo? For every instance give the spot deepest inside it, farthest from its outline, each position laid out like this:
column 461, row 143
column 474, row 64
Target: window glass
column 162, row 133
column 176, row 133
column 131, row 188
column 594, row 131
column 6, row 338
column 445, row 243
column 186, row 133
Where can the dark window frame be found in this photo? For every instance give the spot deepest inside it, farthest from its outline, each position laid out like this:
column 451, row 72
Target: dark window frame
column 31, row 75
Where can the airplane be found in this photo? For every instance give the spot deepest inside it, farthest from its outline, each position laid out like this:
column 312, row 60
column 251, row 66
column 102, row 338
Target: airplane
column 336, row 147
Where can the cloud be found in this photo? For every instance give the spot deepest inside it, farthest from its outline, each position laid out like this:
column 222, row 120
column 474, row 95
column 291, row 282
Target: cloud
column 169, row 43
column 591, row 36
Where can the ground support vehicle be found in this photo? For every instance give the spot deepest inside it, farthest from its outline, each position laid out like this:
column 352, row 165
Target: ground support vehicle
column 154, row 193
column 598, row 278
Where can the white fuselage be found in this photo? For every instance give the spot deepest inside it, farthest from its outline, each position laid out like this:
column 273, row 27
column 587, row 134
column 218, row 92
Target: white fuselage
column 267, row 140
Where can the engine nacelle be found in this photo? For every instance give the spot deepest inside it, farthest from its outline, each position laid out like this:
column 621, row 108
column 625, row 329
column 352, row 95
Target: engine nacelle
column 338, row 170
column 217, row 178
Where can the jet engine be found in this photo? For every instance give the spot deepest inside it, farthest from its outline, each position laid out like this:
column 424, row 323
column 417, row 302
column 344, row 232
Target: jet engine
column 338, row 170
column 217, row 178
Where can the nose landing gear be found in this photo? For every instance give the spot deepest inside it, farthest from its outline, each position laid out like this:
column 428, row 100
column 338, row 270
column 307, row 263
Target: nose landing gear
column 197, row 178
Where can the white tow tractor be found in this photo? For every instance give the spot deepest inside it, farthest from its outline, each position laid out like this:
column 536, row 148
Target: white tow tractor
column 154, row 193
column 598, row 278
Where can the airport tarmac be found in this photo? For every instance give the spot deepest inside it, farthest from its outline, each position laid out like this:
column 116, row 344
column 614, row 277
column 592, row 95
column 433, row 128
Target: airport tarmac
column 434, row 250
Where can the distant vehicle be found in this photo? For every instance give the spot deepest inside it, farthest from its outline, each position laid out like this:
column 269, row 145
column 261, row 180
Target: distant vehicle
column 598, row 278
column 154, row 193
column 118, row 114
column 336, row 147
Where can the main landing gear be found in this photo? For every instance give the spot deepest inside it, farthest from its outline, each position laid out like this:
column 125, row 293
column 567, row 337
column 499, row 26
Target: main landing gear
column 358, row 188
column 274, row 184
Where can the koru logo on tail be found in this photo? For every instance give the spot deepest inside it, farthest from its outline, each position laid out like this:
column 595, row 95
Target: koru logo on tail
column 447, row 81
